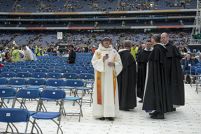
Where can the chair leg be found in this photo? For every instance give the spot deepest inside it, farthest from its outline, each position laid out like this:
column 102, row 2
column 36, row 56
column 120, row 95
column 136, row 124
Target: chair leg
column 26, row 128
column 7, row 128
column 33, row 126
column 196, row 87
column 58, row 125
column 15, row 128
column 36, row 127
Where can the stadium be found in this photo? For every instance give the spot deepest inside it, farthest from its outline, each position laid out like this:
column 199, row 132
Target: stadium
column 43, row 91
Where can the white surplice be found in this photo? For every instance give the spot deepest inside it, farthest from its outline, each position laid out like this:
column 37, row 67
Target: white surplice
column 110, row 103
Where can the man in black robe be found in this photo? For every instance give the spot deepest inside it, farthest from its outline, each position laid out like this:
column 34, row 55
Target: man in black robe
column 72, row 55
column 142, row 60
column 174, row 72
column 157, row 96
column 127, row 79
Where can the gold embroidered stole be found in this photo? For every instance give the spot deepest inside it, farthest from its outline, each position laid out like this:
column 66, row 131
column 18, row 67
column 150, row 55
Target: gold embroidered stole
column 99, row 84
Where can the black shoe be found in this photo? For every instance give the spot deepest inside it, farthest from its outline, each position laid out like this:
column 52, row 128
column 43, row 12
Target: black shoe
column 153, row 113
column 174, row 109
column 102, row 118
column 140, row 101
column 124, row 109
column 110, row 118
column 158, row 116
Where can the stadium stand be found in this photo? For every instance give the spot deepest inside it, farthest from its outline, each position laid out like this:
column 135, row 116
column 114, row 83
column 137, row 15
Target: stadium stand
column 93, row 5
column 85, row 38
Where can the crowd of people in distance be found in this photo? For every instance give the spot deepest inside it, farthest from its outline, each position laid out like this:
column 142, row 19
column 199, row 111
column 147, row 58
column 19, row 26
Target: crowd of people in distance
column 93, row 5
column 155, row 68
column 87, row 39
column 17, row 53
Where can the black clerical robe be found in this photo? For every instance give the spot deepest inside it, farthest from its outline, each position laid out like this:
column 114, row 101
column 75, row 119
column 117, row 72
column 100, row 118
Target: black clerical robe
column 175, row 74
column 157, row 96
column 142, row 60
column 72, row 57
column 127, row 81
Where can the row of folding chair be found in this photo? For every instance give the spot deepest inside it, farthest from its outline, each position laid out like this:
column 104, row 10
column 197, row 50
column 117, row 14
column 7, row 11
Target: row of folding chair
column 39, row 81
column 14, row 115
column 80, row 75
column 50, row 67
column 30, row 70
column 74, row 86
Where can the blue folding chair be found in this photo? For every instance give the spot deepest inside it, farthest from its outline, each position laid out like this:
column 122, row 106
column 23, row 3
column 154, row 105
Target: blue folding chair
column 23, row 95
column 75, row 99
column 14, row 115
column 70, row 76
column 36, row 83
column 6, row 93
column 39, row 75
column 56, row 70
column 8, row 74
column 55, row 83
column 86, row 76
column 88, row 80
column 49, row 95
column 28, row 70
column 17, row 83
column 3, row 82
column 41, row 70
column 54, row 75
column 23, row 75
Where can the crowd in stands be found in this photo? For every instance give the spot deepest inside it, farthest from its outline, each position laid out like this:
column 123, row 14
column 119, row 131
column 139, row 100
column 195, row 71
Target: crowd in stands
column 84, row 38
column 92, row 5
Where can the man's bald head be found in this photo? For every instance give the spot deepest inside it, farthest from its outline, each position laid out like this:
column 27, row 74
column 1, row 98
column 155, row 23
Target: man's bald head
column 164, row 38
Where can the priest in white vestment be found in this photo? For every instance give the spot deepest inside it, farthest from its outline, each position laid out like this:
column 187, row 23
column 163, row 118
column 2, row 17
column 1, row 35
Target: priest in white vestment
column 29, row 55
column 107, row 65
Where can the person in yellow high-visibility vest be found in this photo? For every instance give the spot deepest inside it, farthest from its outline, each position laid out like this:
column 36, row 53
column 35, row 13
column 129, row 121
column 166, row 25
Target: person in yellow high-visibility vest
column 15, row 54
column 36, row 50
column 134, row 50
column 41, row 51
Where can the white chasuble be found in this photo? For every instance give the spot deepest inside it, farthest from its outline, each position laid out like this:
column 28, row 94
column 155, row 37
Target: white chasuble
column 105, row 97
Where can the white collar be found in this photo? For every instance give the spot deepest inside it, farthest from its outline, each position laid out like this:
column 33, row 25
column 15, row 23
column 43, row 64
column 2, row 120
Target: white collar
column 149, row 49
column 120, row 50
column 101, row 48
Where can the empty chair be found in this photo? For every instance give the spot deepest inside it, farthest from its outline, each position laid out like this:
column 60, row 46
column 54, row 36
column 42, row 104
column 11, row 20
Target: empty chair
column 17, row 83
column 49, row 95
column 70, row 76
column 4, row 70
column 14, row 70
column 36, row 83
column 54, row 75
column 3, row 82
column 23, row 94
column 8, row 74
column 75, row 84
column 39, row 75
column 6, row 93
column 14, row 115
column 41, row 70
column 31, row 66
column 86, row 76
column 55, row 83
column 23, row 74
column 55, row 70
column 28, row 70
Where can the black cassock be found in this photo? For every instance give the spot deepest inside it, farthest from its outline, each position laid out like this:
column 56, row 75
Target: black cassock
column 142, row 60
column 127, row 82
column 157, row 96
column 72, row 57
column 175, row 74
